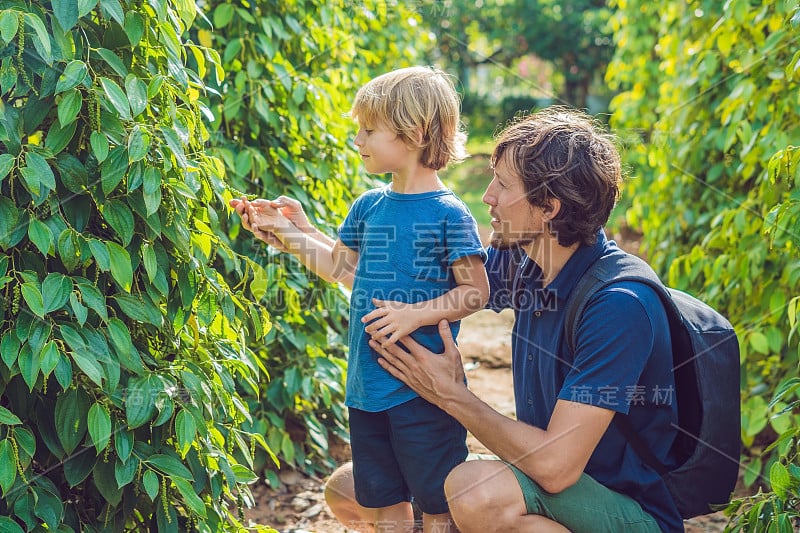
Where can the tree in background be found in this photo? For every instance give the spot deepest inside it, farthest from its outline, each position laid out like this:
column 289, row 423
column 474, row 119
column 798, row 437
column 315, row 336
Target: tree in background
column 123, row 355
column 289, row 73
column 712, row 95
column 574, row 36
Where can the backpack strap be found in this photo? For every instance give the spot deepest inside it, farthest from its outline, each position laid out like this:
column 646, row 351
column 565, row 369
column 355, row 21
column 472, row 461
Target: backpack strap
column 614, row 268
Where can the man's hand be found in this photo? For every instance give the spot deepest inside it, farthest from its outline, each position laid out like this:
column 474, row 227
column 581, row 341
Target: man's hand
column 436, row 377
column 391, row 321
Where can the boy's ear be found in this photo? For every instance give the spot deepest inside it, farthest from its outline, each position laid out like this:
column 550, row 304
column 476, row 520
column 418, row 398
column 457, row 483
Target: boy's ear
column 417, row 138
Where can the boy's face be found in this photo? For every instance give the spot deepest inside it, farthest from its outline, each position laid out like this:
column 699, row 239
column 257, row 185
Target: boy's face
column 382, row 150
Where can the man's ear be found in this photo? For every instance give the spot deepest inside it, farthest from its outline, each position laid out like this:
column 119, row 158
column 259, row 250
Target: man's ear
column 551, row 208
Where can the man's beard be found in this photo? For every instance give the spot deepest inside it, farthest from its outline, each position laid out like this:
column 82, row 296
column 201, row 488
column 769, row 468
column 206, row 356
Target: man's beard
column 498, row 241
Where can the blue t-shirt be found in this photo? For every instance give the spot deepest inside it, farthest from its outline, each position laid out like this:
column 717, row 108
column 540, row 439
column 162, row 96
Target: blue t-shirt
column 407, row 244
column 623, row 362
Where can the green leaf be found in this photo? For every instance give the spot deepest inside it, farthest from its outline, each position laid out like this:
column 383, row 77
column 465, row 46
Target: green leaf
column 57, row 287
column 33, row 297
column 99, row 425
column 48, row 507
column 9, row 347
column 140, row 401
column 94, row 299
column 134, row 27
column 113, row 61
column 121, row 269
column 138, row 145
column 134, row 308
column 74, row 73
column 113, row 8
column 8, row 418
column 79, row 466
column 123, row 442
column 59, row 137
column 31, row 180
column 42, row 38
column 9, row 217
column 99, row 144
column 117, row 97
column 185, row 430
column 80, row 310
column 126, row 352
column 169, row 466
column 6, row 164
column 113, row 169
column 119, row 216
column 780, row 479
column 68, row 249
column 100, row 254
column 124, row 472
column 175, row 145
column 137, row 94
column 81, row 354
column 69, row 106
column 150, row 482
column 73, row 173
column 223, row 14
column 8, row 469
column 150, row 261
column 50, row 358
column 72, row 407
column 39, row 233
column 8, row 25
column 29, row 364
column 759, row 342
column 106, row 482
column 66, row 12
column 190, row 497
column 39, row 165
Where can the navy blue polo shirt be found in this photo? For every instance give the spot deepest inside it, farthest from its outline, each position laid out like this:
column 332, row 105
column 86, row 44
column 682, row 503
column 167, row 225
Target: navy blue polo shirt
column 622, row 362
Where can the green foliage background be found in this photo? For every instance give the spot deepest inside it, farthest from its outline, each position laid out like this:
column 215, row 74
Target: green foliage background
column 707, row 99
column 291, row 71
column 121, row 126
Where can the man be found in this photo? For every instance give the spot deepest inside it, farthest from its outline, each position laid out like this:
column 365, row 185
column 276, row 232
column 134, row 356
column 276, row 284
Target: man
column 563, row 465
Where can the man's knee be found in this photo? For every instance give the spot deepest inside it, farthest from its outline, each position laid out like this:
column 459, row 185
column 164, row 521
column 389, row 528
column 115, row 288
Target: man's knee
column 475, row 486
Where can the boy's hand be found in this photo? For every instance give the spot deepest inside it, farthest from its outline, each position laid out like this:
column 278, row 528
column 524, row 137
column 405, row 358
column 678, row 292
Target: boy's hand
column 257, row 220
column 391, row 320
column 293, row 210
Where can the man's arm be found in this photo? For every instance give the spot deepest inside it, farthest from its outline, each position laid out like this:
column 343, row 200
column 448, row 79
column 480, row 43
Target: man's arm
column 395, row 320
column 554, row 458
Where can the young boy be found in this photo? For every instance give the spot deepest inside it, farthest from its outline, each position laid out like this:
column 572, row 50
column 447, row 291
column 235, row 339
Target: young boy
column 410, row 251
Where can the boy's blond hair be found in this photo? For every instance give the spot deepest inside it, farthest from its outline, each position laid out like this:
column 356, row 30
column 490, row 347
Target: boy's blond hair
column 422, row 106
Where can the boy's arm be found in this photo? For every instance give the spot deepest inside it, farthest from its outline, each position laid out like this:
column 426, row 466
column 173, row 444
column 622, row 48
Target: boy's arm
column 395, row 320
column 329, row 259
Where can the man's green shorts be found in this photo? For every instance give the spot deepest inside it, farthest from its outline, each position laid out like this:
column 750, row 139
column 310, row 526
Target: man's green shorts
column 585, row 507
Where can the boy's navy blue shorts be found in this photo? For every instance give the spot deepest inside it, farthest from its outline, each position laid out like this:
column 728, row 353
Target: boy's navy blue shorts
column 405, row 451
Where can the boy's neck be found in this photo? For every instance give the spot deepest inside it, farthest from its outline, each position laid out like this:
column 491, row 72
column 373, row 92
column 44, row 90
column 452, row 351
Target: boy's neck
column 420, row 180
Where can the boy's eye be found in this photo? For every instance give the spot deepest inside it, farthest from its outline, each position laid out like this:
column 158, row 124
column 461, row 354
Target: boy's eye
column 368, row 131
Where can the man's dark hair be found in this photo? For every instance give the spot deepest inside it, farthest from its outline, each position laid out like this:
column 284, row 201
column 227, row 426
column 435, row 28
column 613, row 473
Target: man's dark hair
column 563, row 153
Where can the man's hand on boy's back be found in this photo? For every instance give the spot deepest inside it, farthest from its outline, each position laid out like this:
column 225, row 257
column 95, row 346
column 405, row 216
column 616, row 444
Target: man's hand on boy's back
column 392, row 320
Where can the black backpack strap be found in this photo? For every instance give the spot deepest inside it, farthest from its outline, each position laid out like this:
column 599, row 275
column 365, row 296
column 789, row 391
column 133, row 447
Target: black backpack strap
column 603, row 272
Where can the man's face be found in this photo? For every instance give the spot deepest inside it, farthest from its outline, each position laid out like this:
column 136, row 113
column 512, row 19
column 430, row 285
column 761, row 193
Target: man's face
column 514, row 221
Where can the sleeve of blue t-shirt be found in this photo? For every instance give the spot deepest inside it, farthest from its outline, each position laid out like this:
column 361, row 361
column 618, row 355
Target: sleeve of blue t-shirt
column 350, row 230
column 615, row 340
column 500, row 272
column 462, row 238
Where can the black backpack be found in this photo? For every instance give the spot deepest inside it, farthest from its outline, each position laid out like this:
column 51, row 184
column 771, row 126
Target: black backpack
column 705, row 355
